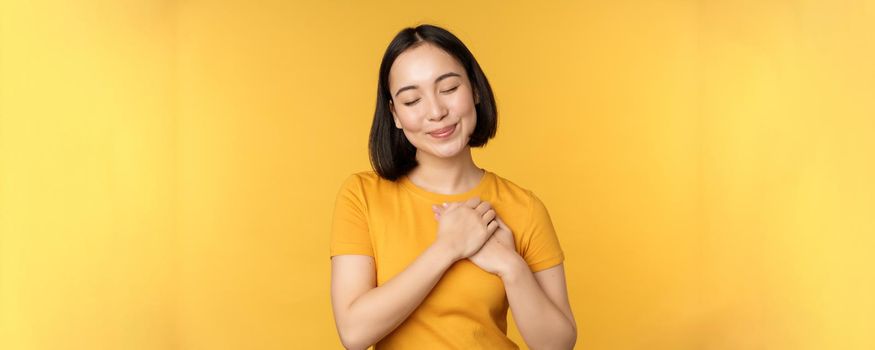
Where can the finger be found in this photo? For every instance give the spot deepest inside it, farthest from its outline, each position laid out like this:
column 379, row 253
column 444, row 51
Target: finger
column 493, row 225
column 505, row 229
column 483, row 207
column 449, row 206
column 501, row 223
column 472, row 203
column 488, row 216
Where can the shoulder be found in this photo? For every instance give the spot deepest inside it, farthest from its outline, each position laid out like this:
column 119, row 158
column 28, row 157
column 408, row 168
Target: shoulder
column 522, row 201
column 361, row 179
column 366, row 184
column 510, row 191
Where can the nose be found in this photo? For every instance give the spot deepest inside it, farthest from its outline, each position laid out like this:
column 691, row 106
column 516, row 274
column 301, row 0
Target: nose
column 437, row 110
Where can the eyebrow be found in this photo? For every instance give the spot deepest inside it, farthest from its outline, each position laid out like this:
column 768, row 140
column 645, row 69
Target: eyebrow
column 442, row 77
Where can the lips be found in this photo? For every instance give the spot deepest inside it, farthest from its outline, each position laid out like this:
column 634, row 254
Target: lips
column 440, row 132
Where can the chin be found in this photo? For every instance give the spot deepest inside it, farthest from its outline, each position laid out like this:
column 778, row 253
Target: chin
column 446, row 155
column 448, row 151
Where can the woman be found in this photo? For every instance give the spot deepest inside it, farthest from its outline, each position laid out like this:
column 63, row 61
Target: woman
column 421, row 258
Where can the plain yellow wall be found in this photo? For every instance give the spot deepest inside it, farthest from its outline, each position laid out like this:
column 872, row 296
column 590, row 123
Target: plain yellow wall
column 168, row 168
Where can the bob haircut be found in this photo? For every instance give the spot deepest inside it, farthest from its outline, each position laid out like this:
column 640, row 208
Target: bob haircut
column 392, row 155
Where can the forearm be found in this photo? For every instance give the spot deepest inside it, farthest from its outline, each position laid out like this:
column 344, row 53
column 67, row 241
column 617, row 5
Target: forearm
column 541, row 323
column 379, row 311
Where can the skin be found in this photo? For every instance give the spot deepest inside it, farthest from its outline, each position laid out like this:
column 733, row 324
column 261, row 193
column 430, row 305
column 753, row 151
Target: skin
column 445, row 166
column 423, row 101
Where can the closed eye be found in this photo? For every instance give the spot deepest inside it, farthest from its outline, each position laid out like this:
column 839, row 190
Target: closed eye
column 411, row 103
column 453, row 89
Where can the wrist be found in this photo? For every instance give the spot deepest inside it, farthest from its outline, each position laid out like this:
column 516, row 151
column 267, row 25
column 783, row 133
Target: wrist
column 445, row 251
column 514, row 268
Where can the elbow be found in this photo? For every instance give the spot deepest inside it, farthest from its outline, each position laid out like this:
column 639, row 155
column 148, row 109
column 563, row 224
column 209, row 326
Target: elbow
column 559, row 344
column 354, row 333
column 570, row 340
column 563, row 345
column 564, row 341
column 573, row 341
column 352, row 339
column 351, row 343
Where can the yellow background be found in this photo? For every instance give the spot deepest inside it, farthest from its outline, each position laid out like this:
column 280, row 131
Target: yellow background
column 168, row 168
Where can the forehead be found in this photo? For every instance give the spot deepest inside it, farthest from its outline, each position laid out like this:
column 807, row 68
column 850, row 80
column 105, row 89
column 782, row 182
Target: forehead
column 422, row 64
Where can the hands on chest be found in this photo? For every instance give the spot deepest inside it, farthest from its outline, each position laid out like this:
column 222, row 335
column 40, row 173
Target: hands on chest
column 472, row 230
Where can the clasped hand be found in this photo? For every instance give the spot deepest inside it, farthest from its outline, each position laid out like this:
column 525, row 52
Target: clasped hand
column 473, row 231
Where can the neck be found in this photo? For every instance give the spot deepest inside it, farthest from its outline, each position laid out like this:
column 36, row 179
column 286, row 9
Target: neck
column 454, row 175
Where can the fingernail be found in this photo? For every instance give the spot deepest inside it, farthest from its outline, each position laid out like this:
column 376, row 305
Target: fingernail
column 445, row 204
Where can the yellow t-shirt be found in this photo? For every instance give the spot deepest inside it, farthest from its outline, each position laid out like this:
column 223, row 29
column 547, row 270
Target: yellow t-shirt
column 394, row 223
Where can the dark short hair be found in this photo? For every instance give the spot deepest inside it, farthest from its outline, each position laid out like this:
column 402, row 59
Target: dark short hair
column 392, row 155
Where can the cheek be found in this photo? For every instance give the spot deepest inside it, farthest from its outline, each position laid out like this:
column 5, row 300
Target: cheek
column 463, row 102
column 466, row 111
column 409, row 123
column 464, row 107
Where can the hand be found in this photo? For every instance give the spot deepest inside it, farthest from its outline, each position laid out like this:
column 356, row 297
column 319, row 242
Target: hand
column 498, row 254
column 463, row 227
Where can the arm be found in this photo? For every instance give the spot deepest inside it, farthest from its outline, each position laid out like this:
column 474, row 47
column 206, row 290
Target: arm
column 539, row 301
column 364, row 313
column 540, row 307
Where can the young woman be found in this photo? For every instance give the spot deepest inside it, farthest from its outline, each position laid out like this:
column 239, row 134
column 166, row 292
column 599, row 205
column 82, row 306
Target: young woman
column 429, row 250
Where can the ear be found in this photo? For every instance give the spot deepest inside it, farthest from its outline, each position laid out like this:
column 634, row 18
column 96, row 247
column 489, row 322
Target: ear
column 394, row 116
column 476, row 97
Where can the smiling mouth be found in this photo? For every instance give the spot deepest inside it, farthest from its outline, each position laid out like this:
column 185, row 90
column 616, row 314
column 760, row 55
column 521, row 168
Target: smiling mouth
column 444, row 132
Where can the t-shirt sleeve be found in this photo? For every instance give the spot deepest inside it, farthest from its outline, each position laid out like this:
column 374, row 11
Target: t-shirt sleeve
column 349, row 227
column 541, row 248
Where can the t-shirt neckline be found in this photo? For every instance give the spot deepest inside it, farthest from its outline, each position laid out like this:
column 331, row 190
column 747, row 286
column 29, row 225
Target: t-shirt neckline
column 440, row 197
